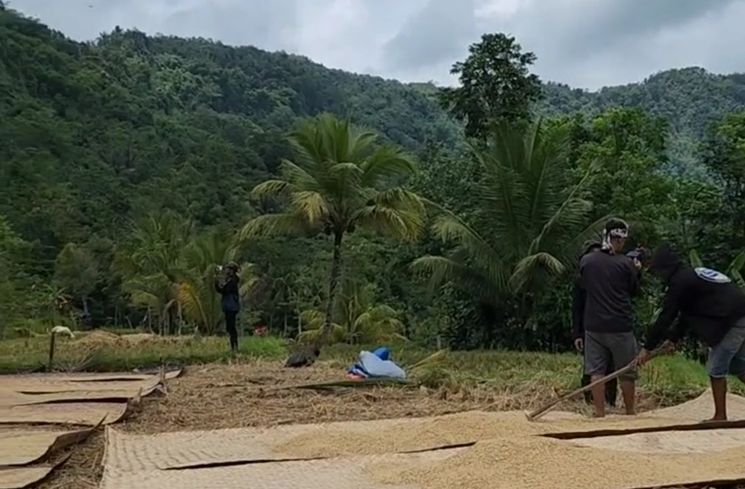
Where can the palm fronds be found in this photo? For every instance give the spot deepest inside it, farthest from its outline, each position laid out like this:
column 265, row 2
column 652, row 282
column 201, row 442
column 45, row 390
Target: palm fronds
column 340, row 179
column 530, row 223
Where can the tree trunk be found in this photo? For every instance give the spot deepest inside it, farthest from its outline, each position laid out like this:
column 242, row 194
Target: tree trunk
column 333, row 283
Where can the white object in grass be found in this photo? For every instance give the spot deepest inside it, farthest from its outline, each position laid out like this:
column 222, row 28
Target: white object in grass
column 62, row 330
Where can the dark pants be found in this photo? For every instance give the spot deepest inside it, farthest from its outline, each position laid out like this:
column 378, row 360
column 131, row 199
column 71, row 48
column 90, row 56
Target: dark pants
column 230, row 320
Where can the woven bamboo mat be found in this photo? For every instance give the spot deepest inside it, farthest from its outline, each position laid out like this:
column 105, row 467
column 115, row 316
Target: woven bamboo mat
column 509, row 463
column 23, row 477
column 22, row 385
column 24, row 446
column 72, row 399
column 85, row 414
column 504, row 454
column 671, row 442
column 193, row 448
column 347, row 473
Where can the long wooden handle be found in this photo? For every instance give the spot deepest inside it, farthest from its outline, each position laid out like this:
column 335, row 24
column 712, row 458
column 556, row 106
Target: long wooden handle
column 666, row 347
column 539, row 412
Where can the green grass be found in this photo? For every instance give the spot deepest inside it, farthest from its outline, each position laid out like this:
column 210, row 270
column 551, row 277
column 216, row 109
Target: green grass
column 29, row 354
column 669, row 379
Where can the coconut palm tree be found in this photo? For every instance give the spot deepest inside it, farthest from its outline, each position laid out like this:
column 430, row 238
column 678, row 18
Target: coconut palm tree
column 530, row 224
column 341, row 179
column 356, row 319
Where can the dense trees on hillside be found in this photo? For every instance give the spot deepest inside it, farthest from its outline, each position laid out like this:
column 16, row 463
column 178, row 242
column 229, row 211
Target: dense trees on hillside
column 127, row 167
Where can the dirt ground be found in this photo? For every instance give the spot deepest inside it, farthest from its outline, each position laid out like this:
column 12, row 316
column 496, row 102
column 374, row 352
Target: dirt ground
column 251, row 394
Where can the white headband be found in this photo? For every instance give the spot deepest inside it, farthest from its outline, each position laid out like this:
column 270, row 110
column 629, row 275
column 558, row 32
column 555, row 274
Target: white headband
column 614, row 233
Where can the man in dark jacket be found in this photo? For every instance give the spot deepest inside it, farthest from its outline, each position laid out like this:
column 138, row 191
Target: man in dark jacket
column 229, row 288
column 579, row 297
column 710, row 304
column 610, row 280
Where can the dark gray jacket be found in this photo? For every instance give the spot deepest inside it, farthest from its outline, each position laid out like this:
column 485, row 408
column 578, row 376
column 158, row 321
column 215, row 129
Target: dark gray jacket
column 610, row 282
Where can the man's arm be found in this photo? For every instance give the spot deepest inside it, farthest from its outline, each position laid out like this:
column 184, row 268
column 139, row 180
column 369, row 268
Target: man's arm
column 680, row 329
column 636, row 277
column 670, row 309
column 579, row 297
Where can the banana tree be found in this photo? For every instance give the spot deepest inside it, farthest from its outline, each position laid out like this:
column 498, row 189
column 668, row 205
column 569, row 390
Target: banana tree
column 196, row 289
column 356, row 320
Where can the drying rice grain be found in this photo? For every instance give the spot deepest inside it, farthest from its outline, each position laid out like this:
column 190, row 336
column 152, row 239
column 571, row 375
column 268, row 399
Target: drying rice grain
column 538, row 463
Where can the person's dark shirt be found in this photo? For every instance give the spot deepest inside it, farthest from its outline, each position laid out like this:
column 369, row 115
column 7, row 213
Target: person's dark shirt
column 610, row 282
column 701, row 299
column 230, row 292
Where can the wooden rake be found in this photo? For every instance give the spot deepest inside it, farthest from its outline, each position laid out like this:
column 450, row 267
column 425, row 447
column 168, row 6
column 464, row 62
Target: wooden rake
column 665, row 348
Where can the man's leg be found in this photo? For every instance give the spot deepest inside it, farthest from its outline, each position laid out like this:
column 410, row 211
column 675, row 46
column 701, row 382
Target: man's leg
column 230, row 319
column 585, row 382
column 719, row 390
column 598, row 397
column 611, row 388
column 728, row 357
column 624, row 348
column 597, row 358
column 628, row 389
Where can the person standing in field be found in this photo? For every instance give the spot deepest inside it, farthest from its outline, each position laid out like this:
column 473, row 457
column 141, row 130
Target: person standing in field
column 579, row 298
column 228, row 286
column 610, row 280
column 713, row 306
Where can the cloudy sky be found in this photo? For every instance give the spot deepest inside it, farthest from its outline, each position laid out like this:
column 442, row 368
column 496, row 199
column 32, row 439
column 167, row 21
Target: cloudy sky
column 585, row 43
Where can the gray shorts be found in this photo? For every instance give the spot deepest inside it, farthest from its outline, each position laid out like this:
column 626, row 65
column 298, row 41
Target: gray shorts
column 606, row 352
column 728, row 357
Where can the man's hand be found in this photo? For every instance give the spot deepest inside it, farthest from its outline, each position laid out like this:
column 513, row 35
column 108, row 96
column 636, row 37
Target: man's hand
column 667, row 347
column 637, row 264
column 579, row 344
column 643, row 357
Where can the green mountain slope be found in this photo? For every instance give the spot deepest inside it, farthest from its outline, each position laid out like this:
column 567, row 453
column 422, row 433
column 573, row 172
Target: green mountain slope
column 96, row 134
column 689, row 99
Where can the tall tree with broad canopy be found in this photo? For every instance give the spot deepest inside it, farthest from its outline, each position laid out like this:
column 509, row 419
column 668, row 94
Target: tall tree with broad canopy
column 341, row 179
column 495, row 84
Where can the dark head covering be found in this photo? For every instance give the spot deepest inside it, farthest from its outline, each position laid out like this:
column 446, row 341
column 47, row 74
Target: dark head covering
column 665, row 262
column 591, row 245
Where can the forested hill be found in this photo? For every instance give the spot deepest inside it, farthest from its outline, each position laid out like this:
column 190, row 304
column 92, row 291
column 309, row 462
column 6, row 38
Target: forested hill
column 689, row 99
column 96, row 134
